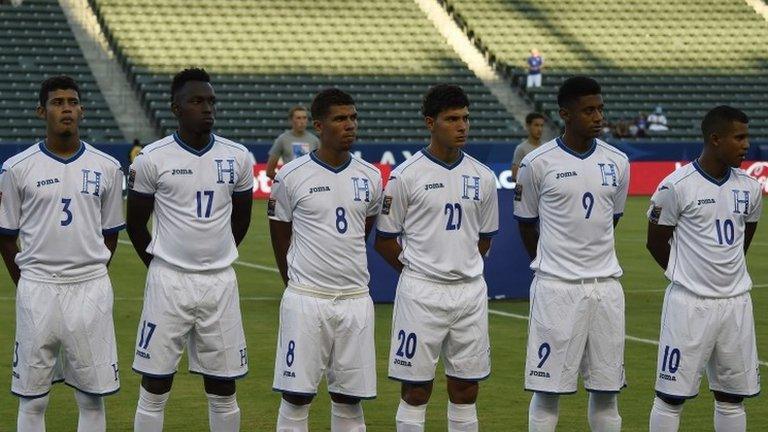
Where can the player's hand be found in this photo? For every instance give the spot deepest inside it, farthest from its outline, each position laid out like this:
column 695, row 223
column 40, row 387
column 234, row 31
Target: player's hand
column 271, row 174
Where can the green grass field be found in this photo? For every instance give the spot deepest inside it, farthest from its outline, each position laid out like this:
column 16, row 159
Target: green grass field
column 502, row 406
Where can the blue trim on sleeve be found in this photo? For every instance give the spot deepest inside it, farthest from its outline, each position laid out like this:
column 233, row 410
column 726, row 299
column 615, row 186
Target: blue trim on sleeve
column 113, row 230
column 8, row 232
column 141, row 194
column 241, row 193
column 618, row 215
column 489, row 234
column 385, row 234
column 526, row 220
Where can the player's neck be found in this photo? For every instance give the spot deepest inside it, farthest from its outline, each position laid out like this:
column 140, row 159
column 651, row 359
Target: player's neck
column 297, row 133
column 713, row 167
column 577, row 143
column 533, row 141
column 447, row 155
column 332, row 157
column 63, row 146
column 194, row 140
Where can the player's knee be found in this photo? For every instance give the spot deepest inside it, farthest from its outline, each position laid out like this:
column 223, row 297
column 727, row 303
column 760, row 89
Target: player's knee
column 728, row 398
column 670, row 400
column 416, row 394
column 462, row 392
column 88, row 402
column 33, row 406
column 157, row 385
column 295, row 399
column 219, row 387
column 344, row 399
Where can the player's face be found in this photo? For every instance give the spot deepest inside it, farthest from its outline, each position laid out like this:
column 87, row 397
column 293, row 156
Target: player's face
column 584, row 117
column 450, row 128
column 62, row 112
column 195, row 107
column 536, row 129
column 732, row 146
column 338, row 129
column 299, row 121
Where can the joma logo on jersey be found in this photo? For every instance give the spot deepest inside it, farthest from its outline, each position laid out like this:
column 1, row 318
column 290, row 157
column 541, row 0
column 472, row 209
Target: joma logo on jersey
column 181, row 171
column 429, row 186
column 89, row 181
column 737, row 202
column 706, row 201
column 667, row 377
column 608, row 172
column 221, row 170
column 565, row 174
column 142, row 354
column 47, row 182
column 360, row 186
column 471, row 185
column 541, row 374
column 317, row 189
column 400, row 362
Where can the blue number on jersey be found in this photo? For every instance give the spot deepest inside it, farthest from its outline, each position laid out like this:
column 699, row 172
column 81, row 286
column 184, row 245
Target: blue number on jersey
column 199, row 195
column 67, row 214
column 341, row 220
column 725, row 231
column 587, row 201
column 454, row 216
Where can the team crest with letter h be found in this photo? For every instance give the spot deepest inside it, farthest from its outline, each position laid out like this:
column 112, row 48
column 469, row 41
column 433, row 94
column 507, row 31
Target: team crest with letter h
column 470, row 187
column 608, row 172
column 362, row 189
column 740, row 198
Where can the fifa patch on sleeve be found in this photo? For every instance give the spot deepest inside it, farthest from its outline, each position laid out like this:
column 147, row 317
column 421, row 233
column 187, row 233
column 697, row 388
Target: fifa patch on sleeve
column 518, row 192
column 386, row 205
column 131, row 178
column 271, row 204
column 655, row 214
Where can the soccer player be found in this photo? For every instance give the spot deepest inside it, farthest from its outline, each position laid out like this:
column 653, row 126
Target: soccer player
column 199, row 186
column 701, row 222
column 439, row 212
column 569, row 197
column 321, row 210
column 292, row 143
column 62, row 199
column 534, row 123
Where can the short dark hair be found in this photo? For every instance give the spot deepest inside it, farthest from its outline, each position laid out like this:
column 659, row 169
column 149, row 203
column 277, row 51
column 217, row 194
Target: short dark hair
column 442, row 97
column 191, row 74
column 327, row 98
column 533, row 116
column 575, row 87
column 58, row 82
column 295, row 108
column 719, row 118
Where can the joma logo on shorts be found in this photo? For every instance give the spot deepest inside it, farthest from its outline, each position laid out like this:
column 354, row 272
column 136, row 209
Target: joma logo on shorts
column 400, row 362
column 429, row 186
column 317, row 189
column 142, row 354
column 15, row 375
column 181, row 171
column 47, row 182
column 566, row 174
column 667, row 377
column 289, row 374
column 539, row 374
column 706, row 201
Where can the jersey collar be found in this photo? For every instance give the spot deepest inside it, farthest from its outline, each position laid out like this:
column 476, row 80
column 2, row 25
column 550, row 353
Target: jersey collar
column 568, row 150
column 330, row 168
column 53, row 156
column 709, row 177
column 431, row 157
column 186, row 147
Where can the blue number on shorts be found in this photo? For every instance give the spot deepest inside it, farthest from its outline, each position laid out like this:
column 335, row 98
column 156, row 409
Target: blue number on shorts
column 453, row 210
column 147, row 330
column 289, row 357
column 587, row 201
column 725, row 232
column 116, row 370
column 199, row 195
column 68, row 214
column 544, row 351
column 341, row 220
column 407, row 341
column 16, row 355
column 671, row 360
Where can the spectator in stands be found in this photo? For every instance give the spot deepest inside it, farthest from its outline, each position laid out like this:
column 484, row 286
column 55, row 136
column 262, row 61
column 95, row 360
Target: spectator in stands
column 535, row 65
column 641, row 126
column 292, row 143
column 135, row 150
column 534, row 123
column 657, row 121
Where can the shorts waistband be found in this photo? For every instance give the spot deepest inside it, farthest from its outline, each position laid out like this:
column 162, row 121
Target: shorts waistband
column 416, row 275
column 324, row 294
column 584, row 281
column 157, row 261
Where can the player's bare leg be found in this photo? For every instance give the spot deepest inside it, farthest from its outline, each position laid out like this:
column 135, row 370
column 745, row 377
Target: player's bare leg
column 223, row 411
column 413, row 406
column 462, row 411
column 293, row 415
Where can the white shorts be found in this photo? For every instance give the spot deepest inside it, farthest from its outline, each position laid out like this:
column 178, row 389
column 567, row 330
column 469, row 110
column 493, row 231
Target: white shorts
column 533, row 80
column 64, row 332
column 575, row 328
column 716, row 334
column 325, row 336
column 431, row 319
column 201, row 309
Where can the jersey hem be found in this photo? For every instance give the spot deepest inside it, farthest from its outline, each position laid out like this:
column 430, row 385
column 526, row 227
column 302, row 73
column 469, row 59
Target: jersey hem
column 113, row 230
column 618, row 215
column 243, row 192
column 279, row 390
column 151, row 375
column 141, row 194
column 406, row 381
column 219, row 377
column 606, row 391
column 8, row 232
column 489, row 234
column 39, row 395
column 660, row 393
column 526, row 219
column 107, row 393
column 386, row 234
column 550, row 392
column 469, row 379
column 736, row 394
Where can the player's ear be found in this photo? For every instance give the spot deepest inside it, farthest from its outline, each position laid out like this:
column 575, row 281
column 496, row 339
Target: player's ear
column 564, row 114
column 40, row 111
column 430, row 123
column 318, row 125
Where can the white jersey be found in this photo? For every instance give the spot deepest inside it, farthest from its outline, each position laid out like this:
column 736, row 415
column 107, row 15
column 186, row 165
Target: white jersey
column 61, row 209
column 709, row 216
column 439, row 212
column 575, row 198
column 193, row 191
column 327, row 207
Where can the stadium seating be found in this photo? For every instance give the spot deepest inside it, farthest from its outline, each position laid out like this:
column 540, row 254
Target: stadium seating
column 36, row 42
column 685, row 55
column 269, row 55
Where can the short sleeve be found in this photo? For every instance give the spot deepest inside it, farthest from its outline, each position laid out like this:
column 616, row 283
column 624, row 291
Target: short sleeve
column 526, row 193
column 374, row 207
column 665, row 206
column 276, row 149
column 757, row 207
column 142, row 176
column 620, row 194
column 394, row 206
column 489, row 212
column 244, row 183
column 112, row 219
column 517, row 157
column 279, row 206
column 10, row 203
